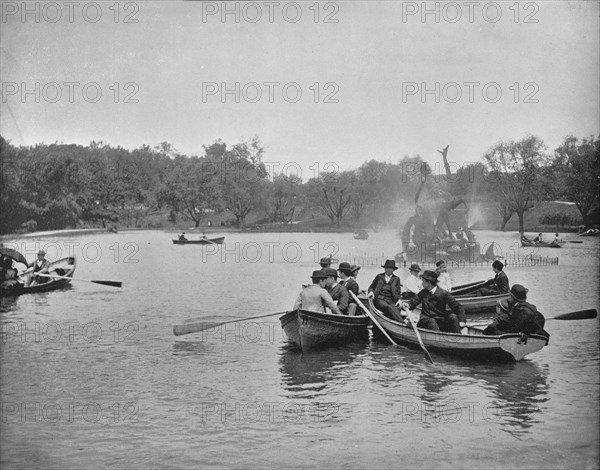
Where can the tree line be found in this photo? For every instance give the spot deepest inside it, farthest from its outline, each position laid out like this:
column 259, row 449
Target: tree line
column 55, row 186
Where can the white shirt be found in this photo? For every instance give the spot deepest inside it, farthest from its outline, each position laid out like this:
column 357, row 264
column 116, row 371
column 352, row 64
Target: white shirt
column 444, row 281
column 412, row 284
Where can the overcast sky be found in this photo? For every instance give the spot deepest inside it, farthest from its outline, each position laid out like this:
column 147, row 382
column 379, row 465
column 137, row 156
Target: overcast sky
column 365, row 63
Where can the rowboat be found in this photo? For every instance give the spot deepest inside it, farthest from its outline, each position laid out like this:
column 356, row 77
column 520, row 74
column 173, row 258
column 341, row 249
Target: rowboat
column 361, row 235
column 474, row 345
column 478, row 305
column 202, row 241
column 64, row 267
column 315, row 330
column 527, row 242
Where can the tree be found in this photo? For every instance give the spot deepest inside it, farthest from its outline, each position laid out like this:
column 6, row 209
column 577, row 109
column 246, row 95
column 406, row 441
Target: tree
column 576, row 168
column 331, row 193
column 239, row 172
column 515, row 172
column 190, row 189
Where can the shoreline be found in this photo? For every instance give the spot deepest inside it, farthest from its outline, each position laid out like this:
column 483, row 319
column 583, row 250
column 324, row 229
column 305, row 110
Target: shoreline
column 214, row 230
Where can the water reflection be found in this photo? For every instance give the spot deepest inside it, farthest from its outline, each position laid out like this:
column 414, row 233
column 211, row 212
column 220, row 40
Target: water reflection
column 515, row 394
column 520, row 390
column 307, row 375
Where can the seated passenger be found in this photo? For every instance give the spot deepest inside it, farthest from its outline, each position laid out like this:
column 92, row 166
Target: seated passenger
column 434, row 302
column 338, row 292
column 348, row 281
column 517, row 316
column 412, row 284
column 40, row 266
column 498, row 285
column 386, row 291
column 314, row 297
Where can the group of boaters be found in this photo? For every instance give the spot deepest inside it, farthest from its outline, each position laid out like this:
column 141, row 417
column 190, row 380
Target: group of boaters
column 10, row 278
column 431, row 290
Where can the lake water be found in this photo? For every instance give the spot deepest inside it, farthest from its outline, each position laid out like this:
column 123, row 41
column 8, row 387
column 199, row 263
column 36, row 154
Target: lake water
column 93, row 377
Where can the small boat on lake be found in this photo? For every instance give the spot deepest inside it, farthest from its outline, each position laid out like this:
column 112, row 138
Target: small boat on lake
column 315, row 330
column 473, row 346
column 64, row 267
column 527, row 242
column 361, row 235
column 202, row 241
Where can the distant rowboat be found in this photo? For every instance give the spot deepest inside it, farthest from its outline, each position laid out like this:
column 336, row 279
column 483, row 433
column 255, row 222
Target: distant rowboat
column 202, row 241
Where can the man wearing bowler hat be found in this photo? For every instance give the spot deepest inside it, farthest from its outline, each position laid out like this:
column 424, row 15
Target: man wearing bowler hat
column 337, row 292
column 412, row 284
column 386, row 291
column 516, row 315
column 325, row 263
column 347, row 280
column 434, row 307
column 314, row 297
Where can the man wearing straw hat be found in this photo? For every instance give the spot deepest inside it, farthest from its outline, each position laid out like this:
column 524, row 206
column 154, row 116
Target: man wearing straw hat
column 412, row 284
column 314, row 297
column 40, row 266
column 386, row 291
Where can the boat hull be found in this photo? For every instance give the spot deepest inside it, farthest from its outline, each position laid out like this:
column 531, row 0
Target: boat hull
column 65, row 267
column 527, row 243
column 315, row 330
column 473, row 346
column 202, row 241
column 480, row 305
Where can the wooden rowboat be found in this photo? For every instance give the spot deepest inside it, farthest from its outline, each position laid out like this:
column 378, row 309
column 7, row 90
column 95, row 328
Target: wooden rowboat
column 315, row 330
column 527, row 242
column 202, row 241
column 478, row 305
column 63, row 267
column 474, row 345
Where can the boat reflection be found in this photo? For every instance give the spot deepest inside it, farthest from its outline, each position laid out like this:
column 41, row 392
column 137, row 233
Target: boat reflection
column 515, row 394
column 308, row 375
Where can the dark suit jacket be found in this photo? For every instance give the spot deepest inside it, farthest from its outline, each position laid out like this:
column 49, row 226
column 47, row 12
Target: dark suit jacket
column 352, row 286
column 340, row 293
column 379, row 282
column 435, row 305
column 501, row 283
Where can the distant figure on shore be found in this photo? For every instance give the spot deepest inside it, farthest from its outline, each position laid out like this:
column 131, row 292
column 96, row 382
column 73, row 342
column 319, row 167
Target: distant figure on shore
column 182, row 237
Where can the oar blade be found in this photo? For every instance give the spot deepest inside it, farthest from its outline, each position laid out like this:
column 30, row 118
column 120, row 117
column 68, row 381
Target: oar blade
column 189, row 328
column 580, row 315
column 109, row 283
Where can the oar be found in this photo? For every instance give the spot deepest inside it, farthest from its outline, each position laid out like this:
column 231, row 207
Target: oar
column 574, row 241
column 416, row 330
column 104, row 283
column 187, row 328
column 578, row 315
column 372, row 318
